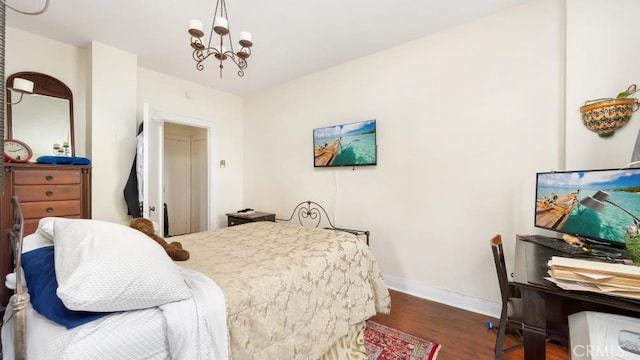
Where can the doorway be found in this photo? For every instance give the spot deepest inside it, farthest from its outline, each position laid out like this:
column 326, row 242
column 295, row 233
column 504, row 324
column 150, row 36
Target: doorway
column 195, row 143
column 185, row 179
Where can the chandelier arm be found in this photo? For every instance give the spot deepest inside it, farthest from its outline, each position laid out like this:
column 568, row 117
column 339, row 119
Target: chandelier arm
column 240, row 63
column 246, row 50
column 199, row 57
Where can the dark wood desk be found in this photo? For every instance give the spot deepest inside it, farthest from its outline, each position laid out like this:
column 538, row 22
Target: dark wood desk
column 541, row 298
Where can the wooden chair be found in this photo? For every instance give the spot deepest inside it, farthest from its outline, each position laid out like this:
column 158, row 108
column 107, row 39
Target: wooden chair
column 511, row 314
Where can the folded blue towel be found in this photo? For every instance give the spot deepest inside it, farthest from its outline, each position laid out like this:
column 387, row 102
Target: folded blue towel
column 63, row 160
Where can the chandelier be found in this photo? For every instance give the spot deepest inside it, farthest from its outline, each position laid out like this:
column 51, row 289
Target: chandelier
column 219, row 37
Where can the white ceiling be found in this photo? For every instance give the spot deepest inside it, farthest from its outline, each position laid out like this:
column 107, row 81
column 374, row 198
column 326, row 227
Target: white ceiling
column 292, row 38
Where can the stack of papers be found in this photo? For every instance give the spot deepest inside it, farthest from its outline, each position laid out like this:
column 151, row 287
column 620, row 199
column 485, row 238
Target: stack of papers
column 587, row 275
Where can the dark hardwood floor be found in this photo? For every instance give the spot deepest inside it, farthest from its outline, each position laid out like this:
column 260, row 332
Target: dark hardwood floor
column 462, row 334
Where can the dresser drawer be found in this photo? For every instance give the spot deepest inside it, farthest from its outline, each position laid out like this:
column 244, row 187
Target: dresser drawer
column 30, row 226
column 68, row 208
column 27, row 193
column 36, row 177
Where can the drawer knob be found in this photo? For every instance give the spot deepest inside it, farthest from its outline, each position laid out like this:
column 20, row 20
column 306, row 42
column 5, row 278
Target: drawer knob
column 49, row 193
column 49, row 210
column 49, row 177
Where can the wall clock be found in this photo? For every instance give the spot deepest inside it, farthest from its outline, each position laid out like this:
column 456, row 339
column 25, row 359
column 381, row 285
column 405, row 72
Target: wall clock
column 16, row 151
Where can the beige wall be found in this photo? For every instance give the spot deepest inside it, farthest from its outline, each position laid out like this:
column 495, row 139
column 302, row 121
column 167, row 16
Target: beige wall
column 112, row 118
column 602, row 61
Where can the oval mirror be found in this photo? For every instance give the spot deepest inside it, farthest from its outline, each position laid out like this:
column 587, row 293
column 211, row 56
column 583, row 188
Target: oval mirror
column 44, row 119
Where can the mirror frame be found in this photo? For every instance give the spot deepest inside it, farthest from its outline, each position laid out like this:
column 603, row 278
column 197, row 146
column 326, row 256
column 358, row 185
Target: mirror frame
column 45, row 85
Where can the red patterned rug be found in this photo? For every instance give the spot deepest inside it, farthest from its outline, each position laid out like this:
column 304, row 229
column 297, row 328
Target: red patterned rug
column 385, row 343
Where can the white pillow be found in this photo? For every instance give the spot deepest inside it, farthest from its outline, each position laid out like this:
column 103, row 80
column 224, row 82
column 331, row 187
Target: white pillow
column 103, row 266
column 45, row 227
column 35, row 241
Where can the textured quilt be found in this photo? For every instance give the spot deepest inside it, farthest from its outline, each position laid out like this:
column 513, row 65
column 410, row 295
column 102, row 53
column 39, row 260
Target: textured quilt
column 291, row 291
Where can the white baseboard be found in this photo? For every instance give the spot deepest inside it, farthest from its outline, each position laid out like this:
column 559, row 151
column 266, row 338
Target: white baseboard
column 460, row 301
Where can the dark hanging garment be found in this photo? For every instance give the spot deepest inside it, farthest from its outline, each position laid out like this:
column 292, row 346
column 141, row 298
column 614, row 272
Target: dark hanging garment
column 166, row 221
column 132, row 188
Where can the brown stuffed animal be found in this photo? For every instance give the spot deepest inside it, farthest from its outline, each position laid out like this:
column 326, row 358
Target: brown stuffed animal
column 173, row 249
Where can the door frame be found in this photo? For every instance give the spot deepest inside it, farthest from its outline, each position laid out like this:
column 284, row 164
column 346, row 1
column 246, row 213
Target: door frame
column 211, row 156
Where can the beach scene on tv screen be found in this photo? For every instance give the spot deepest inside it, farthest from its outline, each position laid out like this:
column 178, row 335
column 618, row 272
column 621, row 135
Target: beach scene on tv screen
column 346, row 144
column 561, row 199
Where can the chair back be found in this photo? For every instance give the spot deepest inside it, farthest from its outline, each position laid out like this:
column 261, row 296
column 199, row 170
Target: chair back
column 501, row 269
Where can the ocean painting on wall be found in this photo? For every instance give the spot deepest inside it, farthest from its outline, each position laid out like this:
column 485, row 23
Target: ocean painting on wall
column 352, row 144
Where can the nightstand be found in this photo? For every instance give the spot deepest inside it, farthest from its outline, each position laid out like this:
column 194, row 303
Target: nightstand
column 240, row 218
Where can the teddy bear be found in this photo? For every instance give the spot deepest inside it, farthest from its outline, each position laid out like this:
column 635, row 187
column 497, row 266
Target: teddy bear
column 173, row 249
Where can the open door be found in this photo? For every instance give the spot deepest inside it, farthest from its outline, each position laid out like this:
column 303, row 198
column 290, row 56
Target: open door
column 153, row 155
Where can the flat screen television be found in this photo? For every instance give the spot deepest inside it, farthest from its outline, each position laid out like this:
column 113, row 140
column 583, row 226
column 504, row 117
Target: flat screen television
column 351, row 144
column 593, row 205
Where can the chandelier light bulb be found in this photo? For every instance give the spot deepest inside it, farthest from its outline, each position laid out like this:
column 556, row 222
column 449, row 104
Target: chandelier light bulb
column 221, row 25
column 195, row 28
column 245, row 39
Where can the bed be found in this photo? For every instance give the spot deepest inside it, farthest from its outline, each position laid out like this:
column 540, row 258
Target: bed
column 260, row 290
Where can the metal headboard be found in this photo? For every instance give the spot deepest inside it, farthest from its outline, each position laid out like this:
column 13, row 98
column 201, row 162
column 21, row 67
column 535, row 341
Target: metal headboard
column 310, row 211
column 20, row 299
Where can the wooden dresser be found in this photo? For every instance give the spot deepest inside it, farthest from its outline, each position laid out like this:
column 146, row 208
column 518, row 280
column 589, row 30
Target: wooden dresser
column 43, row 190
column 46, row 190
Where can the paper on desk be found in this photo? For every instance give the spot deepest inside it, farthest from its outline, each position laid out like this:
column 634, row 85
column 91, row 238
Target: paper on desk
column 593, row 266
column 582, row 286
column 581, row 275
column 608, row 288
column 594, row 276
column 607, row 274
column 573, row 285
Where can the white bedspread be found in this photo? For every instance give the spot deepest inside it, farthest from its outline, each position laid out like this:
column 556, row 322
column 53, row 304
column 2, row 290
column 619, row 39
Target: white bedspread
column 166, row 332
column 198, row 329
